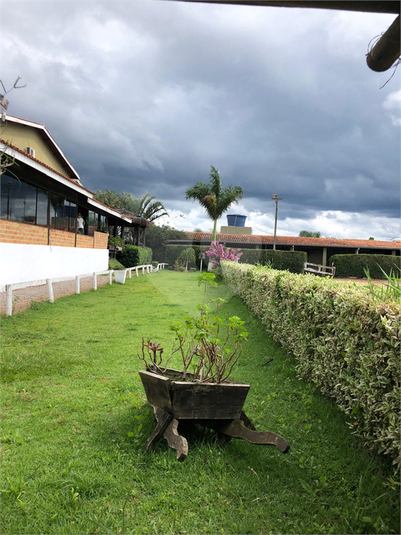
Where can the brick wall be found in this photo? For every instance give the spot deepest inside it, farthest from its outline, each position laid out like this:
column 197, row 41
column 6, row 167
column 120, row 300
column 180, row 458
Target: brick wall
column 62, row 238
column 84, row 241
column 101, row 240
column 12, row 232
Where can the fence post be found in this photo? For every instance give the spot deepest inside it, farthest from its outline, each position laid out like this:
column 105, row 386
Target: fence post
column 50, row 287
column 94, row 281
column 9, row 305
column 110, row 277
column 78, row 284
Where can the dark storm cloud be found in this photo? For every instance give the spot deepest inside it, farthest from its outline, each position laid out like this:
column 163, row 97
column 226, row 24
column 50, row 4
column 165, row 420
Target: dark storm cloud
column 145, row 96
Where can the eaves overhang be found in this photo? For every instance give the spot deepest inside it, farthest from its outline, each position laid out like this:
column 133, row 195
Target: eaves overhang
column 21, row 156
column 48, row 137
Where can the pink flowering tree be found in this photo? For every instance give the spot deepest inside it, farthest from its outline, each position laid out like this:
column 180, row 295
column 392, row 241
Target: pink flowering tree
column 217, row 253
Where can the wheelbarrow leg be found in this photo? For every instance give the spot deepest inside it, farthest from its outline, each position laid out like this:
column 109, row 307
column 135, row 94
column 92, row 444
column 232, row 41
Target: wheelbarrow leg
column 163, row 419
column 237, row 429
column 176, row 441
column 167, row 427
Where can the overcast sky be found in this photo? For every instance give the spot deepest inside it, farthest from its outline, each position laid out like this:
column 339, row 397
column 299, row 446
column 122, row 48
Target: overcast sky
column 144, row 96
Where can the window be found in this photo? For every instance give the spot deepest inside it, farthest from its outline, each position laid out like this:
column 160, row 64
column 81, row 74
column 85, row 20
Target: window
column 90, row 223
column 41, row 208
column 25, row 203
column 30, row 204
column 101, row 223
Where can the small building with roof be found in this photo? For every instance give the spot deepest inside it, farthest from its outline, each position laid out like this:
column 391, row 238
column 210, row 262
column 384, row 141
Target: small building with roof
column 318, row 250
column 41, row 197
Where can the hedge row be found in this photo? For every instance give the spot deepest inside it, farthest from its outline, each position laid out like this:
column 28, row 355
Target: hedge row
column 353, row 265
column 344, row 341
column 132, row 255
column 292, row 261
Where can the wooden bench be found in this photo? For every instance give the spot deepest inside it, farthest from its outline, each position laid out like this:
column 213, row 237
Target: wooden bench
column 319, row 269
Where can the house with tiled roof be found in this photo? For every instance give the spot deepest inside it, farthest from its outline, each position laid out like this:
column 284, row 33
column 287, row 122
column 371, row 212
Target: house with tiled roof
column 41, row 197
column 319, row 250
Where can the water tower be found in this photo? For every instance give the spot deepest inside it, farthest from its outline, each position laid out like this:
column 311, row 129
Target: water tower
column 236, row 225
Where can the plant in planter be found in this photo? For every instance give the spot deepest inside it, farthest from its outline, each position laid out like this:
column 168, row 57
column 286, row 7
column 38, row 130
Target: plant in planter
column 204, row 345
column 116, row 242
column 210, row 346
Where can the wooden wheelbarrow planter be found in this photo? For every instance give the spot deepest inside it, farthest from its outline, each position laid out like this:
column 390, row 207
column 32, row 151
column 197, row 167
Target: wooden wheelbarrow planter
column 218, row 406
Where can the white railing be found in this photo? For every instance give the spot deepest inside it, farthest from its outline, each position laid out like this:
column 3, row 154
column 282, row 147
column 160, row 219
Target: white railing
column 9, row 288
column 319, row 269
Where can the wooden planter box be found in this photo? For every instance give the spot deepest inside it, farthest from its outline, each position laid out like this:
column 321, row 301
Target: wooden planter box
column 187, row 400
column 219, row 406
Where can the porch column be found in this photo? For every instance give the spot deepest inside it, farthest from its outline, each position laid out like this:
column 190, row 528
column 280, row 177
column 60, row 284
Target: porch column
column 324, row 256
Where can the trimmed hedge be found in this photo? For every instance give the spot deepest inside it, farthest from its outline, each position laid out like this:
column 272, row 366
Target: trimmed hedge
column 132, row 255
column 353, row 265
column 251, row 256
column 292, row 261
column 344, row 341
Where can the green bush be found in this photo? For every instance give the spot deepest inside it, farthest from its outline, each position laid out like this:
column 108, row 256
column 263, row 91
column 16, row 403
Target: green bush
column 251, row 256
column 132, row 255
column 293, row 261
column 353, row 265
column 344, row 340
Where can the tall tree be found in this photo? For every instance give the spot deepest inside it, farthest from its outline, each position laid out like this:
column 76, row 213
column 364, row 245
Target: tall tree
column 213, row 197
column 150, row 208
column 309, row 234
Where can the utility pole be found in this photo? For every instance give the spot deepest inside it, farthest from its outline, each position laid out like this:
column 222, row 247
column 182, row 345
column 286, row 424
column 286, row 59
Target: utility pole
column 275, row 198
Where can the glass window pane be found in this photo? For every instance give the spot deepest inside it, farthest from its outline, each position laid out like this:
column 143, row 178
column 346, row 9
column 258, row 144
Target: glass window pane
column 41, row 213
column 90, row 224
column 72, row 214
column 30, row 204
column 6, row 186
column 102, row 223
column 57, row 211
column 17, row 200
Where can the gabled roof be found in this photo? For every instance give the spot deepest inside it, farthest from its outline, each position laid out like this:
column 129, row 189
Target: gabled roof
column 48, row 138
column 76, row 183
column 245, row 240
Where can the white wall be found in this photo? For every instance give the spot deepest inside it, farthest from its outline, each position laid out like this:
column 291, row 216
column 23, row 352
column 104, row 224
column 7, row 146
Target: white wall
column 23, row 263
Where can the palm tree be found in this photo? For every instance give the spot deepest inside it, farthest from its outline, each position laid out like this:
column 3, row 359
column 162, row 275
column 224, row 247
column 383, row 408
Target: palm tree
column 213, row 197
column 186, row 256
column 144, row 206
column 150, row 209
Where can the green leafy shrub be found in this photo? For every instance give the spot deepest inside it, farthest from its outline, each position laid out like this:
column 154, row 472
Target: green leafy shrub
column 131, row 256
column 355, row 265
column 292, row 261
column 116, row 241
column 344, row 341
column 208, row 343
column 251, row 256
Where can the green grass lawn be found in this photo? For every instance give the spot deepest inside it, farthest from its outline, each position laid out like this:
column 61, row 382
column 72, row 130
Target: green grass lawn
column 75, row 419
